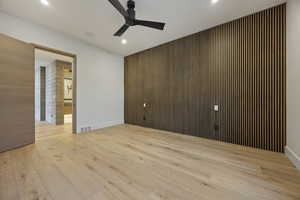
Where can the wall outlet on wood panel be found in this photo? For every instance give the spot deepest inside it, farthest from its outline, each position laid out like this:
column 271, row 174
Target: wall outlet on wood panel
column 216, row 108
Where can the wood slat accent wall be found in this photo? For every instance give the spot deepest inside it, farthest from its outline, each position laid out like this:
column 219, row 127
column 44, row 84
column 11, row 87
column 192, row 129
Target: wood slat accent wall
column 240, row 66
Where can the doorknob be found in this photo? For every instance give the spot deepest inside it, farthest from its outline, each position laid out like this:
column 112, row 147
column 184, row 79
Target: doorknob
column 145, row 105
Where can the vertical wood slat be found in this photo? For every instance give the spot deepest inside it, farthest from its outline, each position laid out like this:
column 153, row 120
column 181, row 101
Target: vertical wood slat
column 240, row 66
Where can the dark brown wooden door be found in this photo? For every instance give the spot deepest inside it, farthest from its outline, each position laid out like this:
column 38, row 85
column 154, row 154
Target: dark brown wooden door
column 16, row 93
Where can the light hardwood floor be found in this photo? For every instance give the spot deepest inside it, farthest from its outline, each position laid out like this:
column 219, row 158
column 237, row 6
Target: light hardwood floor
column 44, row 131
column 133, row 163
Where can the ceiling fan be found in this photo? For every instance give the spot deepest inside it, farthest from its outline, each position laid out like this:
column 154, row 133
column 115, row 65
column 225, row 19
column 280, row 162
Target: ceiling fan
column 130, row 19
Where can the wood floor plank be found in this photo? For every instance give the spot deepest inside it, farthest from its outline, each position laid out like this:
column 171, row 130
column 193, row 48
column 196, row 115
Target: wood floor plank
column 43, row 130
column 57, row 184
column 170, row 176
column 240, row 177
column 28, row 181
column 132, row 163
column 83, row 180
column 8, row 183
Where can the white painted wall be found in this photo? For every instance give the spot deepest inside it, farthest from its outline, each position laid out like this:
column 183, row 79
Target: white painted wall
column 293, row 81
column 100, row 75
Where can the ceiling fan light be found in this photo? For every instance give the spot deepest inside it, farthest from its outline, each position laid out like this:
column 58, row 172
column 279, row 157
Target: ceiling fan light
column 45, row 2
column 214, row 1
column 124, row 41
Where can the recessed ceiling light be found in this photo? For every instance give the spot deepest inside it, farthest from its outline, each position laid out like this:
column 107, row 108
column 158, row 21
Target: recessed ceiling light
column 124, row 41
column 214, row 1
column 45, row 2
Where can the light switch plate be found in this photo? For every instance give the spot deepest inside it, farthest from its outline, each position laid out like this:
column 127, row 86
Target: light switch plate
column 216, row 108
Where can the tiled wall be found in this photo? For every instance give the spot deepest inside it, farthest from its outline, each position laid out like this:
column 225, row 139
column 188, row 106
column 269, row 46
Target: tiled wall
column 55, row 93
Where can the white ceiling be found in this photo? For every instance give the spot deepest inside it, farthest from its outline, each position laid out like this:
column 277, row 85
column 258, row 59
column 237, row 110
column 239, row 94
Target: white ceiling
column 95, row 21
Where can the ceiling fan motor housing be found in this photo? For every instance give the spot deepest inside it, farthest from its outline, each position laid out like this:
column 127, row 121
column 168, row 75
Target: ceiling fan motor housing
column 131, row 4
column 131, row 7
column 130, row 20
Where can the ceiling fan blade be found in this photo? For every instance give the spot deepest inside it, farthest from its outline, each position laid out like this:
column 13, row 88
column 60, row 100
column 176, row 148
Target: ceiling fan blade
column 119, row 7
column 156, row 25
column 121, row 30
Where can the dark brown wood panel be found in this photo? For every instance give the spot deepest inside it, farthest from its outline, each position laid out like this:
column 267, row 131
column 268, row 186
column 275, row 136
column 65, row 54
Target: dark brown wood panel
column 240, row 66
column 16, row 93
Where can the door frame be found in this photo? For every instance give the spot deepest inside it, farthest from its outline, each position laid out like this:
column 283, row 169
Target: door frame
column 74, row 76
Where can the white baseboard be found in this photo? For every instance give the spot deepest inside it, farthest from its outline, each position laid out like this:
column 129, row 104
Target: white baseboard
column 102, row 125
column 108, row 124
column 294, row 158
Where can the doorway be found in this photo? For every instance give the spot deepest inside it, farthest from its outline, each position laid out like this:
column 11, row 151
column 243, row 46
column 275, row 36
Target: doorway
column 17, row 89
column 55, row 92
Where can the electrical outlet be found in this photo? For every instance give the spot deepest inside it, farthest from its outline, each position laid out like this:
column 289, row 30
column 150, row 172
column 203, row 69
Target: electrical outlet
column 216, row 108
column 86, row 129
